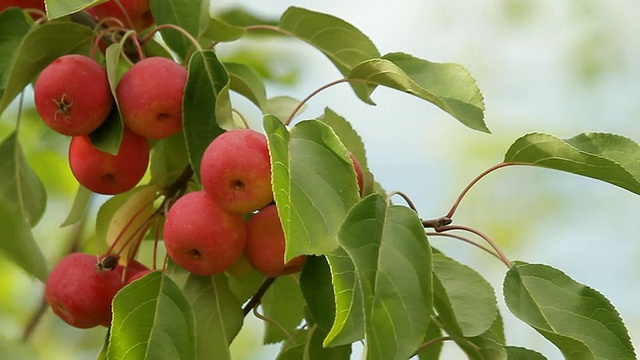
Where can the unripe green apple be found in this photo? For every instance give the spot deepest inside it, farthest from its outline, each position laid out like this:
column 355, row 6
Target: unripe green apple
column 104, row 173
column 202, row 237
column 266, row 245
column 72, row 95
column 150, row 97
column 80, row 293
column 236, row 171
column 136, row 15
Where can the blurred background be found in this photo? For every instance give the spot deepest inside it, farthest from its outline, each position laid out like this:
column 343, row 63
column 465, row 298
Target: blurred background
column 557, row 67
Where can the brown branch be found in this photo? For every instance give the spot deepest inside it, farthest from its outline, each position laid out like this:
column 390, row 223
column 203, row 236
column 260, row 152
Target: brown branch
column 257, row 297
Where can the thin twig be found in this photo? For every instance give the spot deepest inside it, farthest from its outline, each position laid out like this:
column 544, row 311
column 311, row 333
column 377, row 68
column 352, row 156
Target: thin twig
column 257, row 297
column 462, row 238
column 486, row 238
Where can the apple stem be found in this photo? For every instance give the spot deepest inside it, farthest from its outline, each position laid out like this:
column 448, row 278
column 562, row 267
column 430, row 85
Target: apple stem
column 272, row 322
column 257, row 297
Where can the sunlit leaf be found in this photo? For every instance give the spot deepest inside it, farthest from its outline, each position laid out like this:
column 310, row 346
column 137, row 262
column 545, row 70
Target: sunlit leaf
column 348, row 325
column 448, row 86
column 580, row 321
column 341, row 42
column 284, row 304
column 314, row 184
column 206, row 105
column 59, row 8
column 607, row 157
column 20, row 186
column 39, row 47
column 463, row 297
column 217, row 312
column 79, row 207
column 17, row 243
column 392, row 256
column 187, row 14
column 152, row 319
column 247, row 83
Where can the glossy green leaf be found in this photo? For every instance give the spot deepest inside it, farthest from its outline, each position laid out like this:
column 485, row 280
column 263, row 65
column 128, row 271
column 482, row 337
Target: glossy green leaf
column 217, row 312
column 59, row 8
column 79, row 206
column 314, row 184
column 580, row 321
column 389, row 248
column 17, row 242
column 520, row 353
column 341, row 42
column 463, row 297
column 39, row 47
column 169, row 158
column 20, row 186
column 152, row 319
column 13, row 27
column 284, row 304
column 607, row 157
column 187, row 14
column 348, row 325
column 247, row 83
column 206, row 105
column 448, row 86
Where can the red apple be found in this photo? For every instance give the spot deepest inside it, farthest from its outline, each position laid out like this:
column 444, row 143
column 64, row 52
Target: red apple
column 202, row 237
column 236, row 171
column 72, row 95
column 150, row 97
column 105, row 173
column 136, row 15
column 266, row 245
column 24, row 4
column 80, row 292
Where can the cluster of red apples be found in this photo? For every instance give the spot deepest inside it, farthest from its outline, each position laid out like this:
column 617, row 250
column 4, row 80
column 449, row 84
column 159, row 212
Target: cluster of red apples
column 231, row 225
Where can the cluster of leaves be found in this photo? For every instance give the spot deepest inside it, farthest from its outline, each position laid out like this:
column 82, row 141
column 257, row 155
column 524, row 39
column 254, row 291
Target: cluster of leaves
column 371, row 273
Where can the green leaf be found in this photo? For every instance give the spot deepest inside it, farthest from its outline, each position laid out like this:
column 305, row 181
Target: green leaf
column 486, row 346
column 348, row 325
column 432, row 352
column 217, row 312
column 281, row 107
column 152, row 319
column 607, row 157
column 284, row 304
column 241, row 17
column 463, row 297
column 187, row 14
column 307, row 344
column 247, row 83
column 79, row 207
column 17, row 242
column 314, row 184
column 13, row 27
column 59, row 8
column 317, row 289
column 389, row 248
column 39, row 47
column 108, row 135
column 448, row 86
column 217, row 30
column 206, row 105
column 341, row 42
column 108, row 209
column 520, row 353
column 580, row 321
column 20, row 186
column 168, row 160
